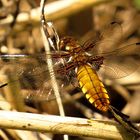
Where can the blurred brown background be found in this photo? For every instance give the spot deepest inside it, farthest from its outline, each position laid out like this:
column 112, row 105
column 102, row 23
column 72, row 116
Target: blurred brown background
column 20, row 34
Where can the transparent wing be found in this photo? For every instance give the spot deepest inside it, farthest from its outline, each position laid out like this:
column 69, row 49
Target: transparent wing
column 118, row 67
column 110, row 42
column 31, row 72
column 120, row 62
column 105, row 41
column 122, row 50
column 117, row 62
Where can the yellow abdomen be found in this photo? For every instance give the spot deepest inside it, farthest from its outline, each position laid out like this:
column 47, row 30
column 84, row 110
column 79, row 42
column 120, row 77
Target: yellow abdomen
column 92, row 87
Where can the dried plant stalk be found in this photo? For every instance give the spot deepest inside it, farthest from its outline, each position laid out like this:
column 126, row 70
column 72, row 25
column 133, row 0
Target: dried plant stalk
column 64, row 125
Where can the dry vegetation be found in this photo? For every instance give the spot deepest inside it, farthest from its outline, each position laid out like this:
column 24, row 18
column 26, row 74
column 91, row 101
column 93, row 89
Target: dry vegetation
column 29, row 86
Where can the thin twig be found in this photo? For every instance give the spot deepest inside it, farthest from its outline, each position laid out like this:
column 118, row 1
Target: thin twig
column 52, row 74
column 17, row 2
column 47, row 45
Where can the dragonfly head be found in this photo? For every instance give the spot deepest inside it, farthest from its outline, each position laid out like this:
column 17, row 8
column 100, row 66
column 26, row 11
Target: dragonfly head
column 68, row 44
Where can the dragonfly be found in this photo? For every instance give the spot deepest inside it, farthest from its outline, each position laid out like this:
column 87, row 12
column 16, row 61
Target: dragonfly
column 72, row 63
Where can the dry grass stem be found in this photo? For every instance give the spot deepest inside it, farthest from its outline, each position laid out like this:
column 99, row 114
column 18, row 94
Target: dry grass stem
column 63, row 125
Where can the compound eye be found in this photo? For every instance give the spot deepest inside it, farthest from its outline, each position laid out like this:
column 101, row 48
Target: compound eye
column 67, row 48
column 67, row 43
column 62, row 45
